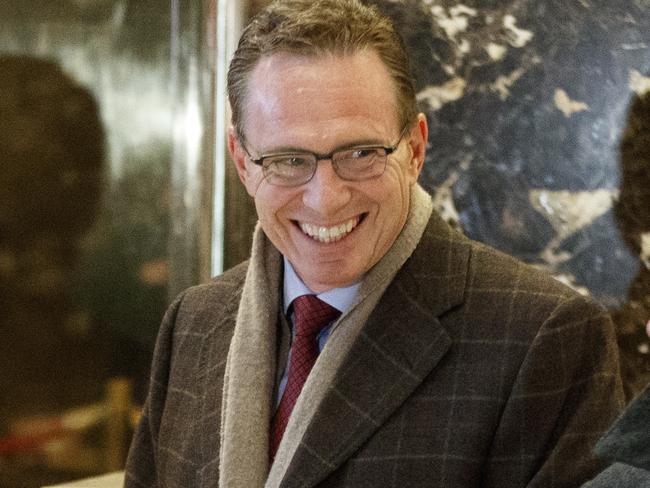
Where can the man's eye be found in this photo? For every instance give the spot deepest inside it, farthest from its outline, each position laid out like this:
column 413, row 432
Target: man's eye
column 286, row 161
column 362, row 153
column 294, row 161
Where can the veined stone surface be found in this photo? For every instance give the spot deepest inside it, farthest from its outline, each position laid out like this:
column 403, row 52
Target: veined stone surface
column 531, row 97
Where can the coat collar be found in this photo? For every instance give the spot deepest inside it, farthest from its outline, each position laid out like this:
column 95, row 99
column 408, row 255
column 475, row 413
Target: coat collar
column 399, row 346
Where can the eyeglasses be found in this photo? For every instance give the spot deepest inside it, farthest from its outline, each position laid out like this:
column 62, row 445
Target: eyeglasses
column 352, row 164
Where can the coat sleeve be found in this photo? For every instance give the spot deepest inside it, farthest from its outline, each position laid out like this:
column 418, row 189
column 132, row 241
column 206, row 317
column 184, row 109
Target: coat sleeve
column 141, row 467
column 567, row 392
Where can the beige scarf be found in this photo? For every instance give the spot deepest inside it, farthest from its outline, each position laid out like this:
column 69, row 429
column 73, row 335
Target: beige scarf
column 250, row 367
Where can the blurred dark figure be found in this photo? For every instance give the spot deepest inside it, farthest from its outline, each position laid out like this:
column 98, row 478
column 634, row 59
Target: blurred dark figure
column 627, row 445
column 51, row 159
column 633, row 217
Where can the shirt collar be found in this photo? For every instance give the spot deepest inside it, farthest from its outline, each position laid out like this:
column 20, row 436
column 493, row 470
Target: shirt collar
column 339, row 298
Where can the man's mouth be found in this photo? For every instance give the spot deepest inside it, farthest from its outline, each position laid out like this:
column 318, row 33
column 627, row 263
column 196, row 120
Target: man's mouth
column 329, row 234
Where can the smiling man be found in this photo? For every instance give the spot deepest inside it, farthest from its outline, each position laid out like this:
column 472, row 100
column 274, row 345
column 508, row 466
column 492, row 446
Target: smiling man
column 336, row 223
column 365, row 343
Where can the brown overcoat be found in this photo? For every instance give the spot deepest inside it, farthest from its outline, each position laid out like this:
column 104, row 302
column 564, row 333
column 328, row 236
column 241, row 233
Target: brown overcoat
column 474, row 370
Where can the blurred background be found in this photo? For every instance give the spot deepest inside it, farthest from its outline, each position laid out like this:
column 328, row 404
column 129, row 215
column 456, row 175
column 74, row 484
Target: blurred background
column 116, row 192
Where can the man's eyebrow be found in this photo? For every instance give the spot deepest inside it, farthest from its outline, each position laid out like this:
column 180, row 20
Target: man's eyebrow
column 362, row 142
column 342, row 147
column 284, row 150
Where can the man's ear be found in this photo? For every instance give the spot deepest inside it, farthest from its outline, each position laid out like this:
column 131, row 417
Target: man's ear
column 418, row 138
column 237, row 154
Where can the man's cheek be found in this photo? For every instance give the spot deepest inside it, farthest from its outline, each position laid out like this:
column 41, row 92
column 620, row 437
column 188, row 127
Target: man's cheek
column 254, row 186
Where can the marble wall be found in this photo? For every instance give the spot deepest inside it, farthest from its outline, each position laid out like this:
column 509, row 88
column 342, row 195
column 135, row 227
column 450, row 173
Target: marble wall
column 528, row 103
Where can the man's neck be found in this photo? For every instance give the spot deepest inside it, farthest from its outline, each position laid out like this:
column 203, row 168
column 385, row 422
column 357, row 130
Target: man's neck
column 339, row 298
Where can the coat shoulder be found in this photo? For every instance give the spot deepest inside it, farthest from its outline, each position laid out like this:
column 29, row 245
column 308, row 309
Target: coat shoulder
column 444, row 250
column 202, row 307
column 491, row 269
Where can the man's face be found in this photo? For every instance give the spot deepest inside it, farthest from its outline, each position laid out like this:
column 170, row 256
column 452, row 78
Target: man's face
column 320, row 105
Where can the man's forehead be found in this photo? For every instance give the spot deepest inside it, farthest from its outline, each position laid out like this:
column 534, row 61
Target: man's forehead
column 281, row 78
column 283, row 63
column 275, row 74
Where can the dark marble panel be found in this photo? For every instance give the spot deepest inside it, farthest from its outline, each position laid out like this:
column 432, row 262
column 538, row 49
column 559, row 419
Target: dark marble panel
column 528, row 103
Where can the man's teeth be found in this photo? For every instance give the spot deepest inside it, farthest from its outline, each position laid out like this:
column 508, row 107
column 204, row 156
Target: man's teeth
column 329, row 234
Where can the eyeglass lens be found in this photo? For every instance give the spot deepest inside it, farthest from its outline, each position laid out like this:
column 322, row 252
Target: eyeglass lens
column 350, row 164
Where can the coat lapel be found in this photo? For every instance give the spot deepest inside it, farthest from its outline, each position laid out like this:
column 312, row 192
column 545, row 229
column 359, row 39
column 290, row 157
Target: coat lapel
column 399, row 346
column 210, row 374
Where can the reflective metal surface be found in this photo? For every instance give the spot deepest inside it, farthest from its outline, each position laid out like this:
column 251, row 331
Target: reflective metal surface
column 151, row 65
column 191, row 84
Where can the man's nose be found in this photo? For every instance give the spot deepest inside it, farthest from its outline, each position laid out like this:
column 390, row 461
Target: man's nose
column 326, row 192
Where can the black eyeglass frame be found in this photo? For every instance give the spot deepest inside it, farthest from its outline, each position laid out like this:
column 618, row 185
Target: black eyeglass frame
column 324, row 157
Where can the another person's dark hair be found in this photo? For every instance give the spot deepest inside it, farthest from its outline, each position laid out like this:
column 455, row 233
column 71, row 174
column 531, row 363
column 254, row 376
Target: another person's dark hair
column 633, row 205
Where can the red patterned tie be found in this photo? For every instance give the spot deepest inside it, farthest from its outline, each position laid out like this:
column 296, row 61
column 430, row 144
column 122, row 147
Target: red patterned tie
column 311, row 315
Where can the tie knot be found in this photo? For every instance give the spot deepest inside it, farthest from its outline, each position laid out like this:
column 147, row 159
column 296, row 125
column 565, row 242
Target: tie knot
column 312, row 314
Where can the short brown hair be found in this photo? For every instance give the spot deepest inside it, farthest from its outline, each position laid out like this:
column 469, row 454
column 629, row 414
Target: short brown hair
column 315, row 28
